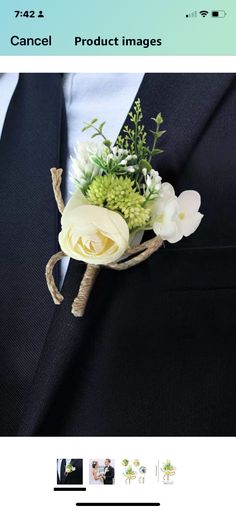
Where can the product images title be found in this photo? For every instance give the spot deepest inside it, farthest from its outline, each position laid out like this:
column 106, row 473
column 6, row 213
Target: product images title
column 116, row 41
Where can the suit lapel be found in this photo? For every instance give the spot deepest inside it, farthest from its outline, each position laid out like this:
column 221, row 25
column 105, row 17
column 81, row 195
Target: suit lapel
column 187, row 103
column 30, row 145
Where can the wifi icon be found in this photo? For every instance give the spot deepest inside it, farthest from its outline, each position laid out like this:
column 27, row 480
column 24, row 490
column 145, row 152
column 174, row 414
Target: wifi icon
column 203, row 13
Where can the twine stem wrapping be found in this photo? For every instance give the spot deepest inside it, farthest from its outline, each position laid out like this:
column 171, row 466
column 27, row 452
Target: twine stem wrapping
column 55, row 293
column 56, row 184
column 80, row 302
column 144, row 251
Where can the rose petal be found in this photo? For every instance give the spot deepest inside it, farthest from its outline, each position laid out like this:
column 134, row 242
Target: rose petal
column 82, row 225
column 77, row 199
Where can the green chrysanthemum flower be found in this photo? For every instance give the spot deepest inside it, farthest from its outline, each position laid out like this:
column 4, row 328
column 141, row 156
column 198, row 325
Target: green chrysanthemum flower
column 118, row 194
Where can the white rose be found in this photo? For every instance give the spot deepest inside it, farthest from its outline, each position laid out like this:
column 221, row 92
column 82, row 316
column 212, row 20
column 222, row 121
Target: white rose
column 92, row 234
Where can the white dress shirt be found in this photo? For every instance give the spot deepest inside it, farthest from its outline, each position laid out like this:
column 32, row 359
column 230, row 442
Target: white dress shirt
column 8, row 82
column 107, row 96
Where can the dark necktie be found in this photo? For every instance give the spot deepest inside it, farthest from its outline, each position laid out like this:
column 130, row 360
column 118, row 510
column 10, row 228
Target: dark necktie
column 31, row 143
column 62, row 472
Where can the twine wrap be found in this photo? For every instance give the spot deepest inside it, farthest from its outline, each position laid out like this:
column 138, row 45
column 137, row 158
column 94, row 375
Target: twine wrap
column 56, row 295
column 86, row 286
column 56, row 184
column 140, row 253
column 144, row 251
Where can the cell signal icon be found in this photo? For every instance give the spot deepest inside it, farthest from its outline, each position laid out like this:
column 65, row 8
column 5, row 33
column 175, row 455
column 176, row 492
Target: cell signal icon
column 192, row 14
column 203, row 13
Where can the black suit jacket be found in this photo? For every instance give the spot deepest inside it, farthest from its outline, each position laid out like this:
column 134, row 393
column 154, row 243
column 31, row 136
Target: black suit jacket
column 155, row 352
column 109, row 475
column 75, row 477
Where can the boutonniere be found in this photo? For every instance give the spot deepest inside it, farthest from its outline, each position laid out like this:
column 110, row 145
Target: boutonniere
column 117, row 196
column 168, row 470
column 69, row 468
column 133, row 469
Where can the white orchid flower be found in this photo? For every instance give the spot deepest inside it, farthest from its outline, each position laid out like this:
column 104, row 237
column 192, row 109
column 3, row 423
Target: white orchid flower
column 188, row 216
column 164, row 213
column 175, row 217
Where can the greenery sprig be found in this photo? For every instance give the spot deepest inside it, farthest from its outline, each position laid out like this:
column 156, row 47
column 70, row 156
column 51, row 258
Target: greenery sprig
column 132, row 139
column 98, row 131
column 120, row 177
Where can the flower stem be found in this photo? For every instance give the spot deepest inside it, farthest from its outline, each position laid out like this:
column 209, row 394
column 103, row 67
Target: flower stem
column 81, row 300
column 154, row 143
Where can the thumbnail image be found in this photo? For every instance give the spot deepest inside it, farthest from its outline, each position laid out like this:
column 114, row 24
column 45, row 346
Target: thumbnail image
column 69, row 471
column 165, row 471
column 102, row 471
column 133, row 471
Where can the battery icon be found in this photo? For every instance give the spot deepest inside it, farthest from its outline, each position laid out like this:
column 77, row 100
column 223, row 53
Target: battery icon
column 218, row 14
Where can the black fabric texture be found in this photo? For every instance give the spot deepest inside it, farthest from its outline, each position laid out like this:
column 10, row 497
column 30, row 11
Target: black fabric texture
column 31, row 143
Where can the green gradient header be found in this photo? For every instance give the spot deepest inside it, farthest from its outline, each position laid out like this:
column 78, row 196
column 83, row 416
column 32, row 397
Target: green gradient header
column 124, row 27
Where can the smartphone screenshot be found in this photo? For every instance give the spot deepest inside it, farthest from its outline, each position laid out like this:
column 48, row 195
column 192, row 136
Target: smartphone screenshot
column 118, row 255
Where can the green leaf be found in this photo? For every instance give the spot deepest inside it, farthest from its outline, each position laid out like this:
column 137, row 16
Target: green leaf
column 144, row 164
column 86, row 128
column 160, row 133
column 101, row 125
column 96, row 160
column 156, row 151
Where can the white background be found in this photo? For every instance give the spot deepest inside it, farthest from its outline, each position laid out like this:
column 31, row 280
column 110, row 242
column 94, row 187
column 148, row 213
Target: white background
column 206, row 467
column 118, row 64
column 205, row 473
